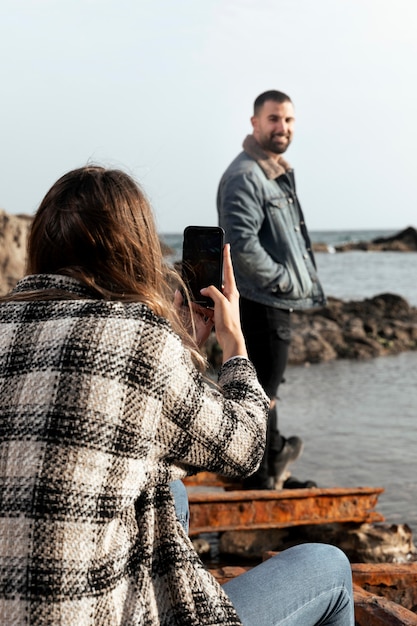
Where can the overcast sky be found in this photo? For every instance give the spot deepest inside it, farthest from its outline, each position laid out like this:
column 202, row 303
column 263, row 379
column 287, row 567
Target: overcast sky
column 164, row 89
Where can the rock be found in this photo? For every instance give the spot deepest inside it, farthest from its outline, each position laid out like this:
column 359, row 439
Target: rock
column 379, row 543
column 321, row 247
column 310, row 346
column 202, row 547
column 252, row 544
column 366, row 543
column 385, row 324
column 14, row 230
column 403, row 241
column 362, row 543
column 378, row 326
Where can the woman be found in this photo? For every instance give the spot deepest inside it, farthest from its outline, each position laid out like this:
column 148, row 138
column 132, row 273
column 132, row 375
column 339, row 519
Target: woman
column 103, row 405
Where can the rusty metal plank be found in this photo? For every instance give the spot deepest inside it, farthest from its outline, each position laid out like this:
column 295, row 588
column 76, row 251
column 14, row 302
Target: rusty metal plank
column 209, row 479
column 227, row 572
column 374, row 610
column 214, row 511
column 395, row 581
column 386, row 574
column 370, row 609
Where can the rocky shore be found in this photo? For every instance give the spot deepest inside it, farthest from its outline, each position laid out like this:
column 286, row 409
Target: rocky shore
column 14, row 231
column 385, row 324
column 403, row 241
column 379, row 326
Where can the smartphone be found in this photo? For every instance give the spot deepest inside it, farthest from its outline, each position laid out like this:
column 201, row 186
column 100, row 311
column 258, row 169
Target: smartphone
column 202, row 260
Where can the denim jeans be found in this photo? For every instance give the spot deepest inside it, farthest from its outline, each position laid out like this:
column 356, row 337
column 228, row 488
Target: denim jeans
column 182, row 511
column 307, row 585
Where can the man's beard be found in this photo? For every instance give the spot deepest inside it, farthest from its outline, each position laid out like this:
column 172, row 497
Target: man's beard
column 270, row 144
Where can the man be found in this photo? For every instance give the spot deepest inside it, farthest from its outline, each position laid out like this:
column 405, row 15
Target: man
column 273, row 261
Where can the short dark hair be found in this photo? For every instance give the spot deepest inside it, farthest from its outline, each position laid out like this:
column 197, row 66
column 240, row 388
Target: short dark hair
column 275, row 96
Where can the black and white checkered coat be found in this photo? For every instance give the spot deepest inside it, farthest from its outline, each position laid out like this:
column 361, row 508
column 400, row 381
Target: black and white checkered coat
column 100, row 407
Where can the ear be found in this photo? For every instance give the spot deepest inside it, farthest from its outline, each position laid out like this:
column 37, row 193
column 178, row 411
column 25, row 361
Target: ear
column 254, row 121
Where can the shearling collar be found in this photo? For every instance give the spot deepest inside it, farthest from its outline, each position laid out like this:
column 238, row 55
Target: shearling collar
column 272, row 169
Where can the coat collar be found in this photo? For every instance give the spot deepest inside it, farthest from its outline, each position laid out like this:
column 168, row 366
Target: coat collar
column 272, row 169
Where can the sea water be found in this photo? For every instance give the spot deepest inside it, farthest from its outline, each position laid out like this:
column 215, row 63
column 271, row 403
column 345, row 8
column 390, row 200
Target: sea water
column 358, row 419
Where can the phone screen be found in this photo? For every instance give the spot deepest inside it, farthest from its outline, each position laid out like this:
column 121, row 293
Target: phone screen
column 202, row 260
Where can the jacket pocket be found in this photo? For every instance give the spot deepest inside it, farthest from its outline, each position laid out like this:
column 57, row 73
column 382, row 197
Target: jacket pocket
column 278, row 203
column 285, row 285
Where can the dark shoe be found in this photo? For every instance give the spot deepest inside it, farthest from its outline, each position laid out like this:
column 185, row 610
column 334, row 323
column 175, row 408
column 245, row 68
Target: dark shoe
column 258, row 482
column 293, row 483
column 279, row 461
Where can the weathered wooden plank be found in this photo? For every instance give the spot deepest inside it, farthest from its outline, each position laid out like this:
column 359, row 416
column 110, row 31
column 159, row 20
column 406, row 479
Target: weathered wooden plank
column 375, row 610
column 215, row 511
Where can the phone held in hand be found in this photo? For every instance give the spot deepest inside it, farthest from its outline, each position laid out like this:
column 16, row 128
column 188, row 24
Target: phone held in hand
column 202, row 260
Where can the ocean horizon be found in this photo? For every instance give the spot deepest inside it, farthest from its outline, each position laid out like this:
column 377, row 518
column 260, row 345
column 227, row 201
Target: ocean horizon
column 352, row 275
column 329, row 237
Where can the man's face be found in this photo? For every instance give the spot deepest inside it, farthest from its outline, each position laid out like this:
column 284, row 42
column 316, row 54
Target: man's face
column 273, row 126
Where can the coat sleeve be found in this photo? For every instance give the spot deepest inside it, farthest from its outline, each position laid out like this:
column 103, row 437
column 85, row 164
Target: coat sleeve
column 219, row 428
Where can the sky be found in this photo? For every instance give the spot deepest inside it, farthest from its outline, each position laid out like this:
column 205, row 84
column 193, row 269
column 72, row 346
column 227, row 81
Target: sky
column 164, row 90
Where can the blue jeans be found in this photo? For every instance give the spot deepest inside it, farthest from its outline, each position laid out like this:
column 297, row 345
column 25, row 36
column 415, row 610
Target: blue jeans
column 182, row 511
column 307, row 585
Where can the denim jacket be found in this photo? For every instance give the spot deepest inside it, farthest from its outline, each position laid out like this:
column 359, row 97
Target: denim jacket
column 260, row 213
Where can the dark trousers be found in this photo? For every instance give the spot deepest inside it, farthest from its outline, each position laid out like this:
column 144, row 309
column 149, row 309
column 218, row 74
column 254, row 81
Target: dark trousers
column 267, row 333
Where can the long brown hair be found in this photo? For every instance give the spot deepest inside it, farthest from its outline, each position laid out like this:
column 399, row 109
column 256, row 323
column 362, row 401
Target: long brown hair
column 96, row 225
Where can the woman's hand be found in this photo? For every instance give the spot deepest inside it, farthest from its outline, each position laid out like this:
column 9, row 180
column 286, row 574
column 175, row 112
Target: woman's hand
column 203, row 319
column 226, row 311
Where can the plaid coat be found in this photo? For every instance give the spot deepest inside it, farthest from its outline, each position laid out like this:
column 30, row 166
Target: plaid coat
column 100, row 408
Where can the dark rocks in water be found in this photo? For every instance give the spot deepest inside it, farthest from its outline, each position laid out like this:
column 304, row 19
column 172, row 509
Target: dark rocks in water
column 384, row 324
column 403, row 241
column 408, row 237
column 378, row 326
column 319, row 246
